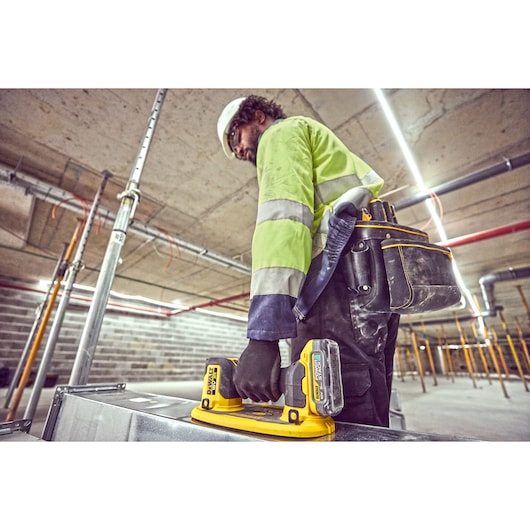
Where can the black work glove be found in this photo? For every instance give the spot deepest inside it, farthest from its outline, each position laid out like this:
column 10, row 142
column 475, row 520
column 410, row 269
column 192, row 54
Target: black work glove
column 257, row 374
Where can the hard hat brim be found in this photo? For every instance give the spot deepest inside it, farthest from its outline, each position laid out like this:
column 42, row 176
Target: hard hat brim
column 223, row 124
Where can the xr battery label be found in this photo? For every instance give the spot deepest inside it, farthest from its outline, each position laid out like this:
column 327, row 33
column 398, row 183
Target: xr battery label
column 317, row 377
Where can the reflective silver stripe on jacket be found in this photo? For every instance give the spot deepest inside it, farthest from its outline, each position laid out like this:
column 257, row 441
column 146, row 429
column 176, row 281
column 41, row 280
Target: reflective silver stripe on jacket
column 371, row 178
column 267, row 280
column 285, row 209
column 329, row 190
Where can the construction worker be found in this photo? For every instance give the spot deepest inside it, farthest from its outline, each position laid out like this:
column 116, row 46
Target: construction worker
column 311, row 191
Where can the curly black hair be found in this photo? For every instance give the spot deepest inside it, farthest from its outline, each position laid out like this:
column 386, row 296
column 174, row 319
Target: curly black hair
column 248, row 108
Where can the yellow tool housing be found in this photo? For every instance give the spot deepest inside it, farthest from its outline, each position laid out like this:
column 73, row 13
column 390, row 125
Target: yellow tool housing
column 312, row 389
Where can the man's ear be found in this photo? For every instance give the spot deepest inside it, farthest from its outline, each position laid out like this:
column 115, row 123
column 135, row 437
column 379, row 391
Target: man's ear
column 259, row 116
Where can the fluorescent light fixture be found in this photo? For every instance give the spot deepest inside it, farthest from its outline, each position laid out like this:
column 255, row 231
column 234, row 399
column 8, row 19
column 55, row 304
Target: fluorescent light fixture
column 220, row 314
column 44, row 284
column 133, row 298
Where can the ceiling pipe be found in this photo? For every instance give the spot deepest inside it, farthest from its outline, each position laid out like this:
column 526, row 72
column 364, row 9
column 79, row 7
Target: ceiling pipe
column 487, row 282
column 57, row 196
column 486, row 234
column 509, row 164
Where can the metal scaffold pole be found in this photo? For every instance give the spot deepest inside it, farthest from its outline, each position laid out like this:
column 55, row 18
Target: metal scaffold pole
column 36, row 326
column 71, row 275
column 24, row 378
column 129, row 200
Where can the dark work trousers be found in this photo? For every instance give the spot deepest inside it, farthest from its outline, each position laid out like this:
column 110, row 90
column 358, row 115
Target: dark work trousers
column 367, row 342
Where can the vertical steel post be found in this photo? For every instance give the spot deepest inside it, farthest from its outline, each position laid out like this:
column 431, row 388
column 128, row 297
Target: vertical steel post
column 526, row 358
column 34, row 328
column 447, row 350
column 418, row 357
column 73, row 269
column 496, row 364
column 470, row 353
column 500, row 352
column 465, row 350
column 513, row 350
column 129, row 200
column 491, row 350
column 525, row 303
column 410, row 362
column 15, row 401
column 429, row 353
column 399, row 353
column 480, row 351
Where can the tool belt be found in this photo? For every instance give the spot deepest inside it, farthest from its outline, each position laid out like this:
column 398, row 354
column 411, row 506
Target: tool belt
column 390, row 267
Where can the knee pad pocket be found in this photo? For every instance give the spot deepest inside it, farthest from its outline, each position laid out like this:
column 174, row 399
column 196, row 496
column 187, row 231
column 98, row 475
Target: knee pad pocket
column 360, row 394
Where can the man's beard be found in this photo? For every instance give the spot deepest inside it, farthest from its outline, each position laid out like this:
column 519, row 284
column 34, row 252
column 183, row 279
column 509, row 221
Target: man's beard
column 251, row 152
column 252, row 156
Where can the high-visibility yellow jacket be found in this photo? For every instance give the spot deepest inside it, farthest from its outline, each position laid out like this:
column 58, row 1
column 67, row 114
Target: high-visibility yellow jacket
column 302, row 170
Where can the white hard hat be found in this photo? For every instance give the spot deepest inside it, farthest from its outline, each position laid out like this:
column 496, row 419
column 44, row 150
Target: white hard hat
column 223, row 124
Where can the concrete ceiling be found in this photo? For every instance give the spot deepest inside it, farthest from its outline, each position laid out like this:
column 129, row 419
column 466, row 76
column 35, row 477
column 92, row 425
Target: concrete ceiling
column 196, row 204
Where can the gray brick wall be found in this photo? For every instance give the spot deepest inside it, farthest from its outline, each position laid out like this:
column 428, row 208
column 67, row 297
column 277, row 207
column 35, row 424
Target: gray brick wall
column 131, row 348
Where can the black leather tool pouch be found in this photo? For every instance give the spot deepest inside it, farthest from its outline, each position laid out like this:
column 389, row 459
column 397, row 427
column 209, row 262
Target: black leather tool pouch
column 420, row 276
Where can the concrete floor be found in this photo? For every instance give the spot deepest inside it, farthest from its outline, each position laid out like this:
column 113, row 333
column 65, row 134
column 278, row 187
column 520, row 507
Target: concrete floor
column 450, row 407
column 460, row 408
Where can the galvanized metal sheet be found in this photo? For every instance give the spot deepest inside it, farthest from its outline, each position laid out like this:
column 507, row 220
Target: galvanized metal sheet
column 116, row 414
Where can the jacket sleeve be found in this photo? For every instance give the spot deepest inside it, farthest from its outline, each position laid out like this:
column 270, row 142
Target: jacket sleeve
column 282, row 244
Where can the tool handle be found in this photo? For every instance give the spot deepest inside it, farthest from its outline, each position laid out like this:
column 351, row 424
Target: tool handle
column 291, row 385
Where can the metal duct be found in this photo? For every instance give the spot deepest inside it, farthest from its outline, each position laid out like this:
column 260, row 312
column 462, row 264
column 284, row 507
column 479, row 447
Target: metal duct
column 487, row 283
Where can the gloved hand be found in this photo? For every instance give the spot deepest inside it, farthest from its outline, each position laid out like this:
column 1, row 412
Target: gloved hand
column 257, row 374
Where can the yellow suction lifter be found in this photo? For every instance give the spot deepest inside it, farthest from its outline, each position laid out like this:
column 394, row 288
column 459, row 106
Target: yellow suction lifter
column 312, row 389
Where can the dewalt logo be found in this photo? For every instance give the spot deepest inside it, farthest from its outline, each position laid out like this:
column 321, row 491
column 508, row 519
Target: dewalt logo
column 211, row 382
